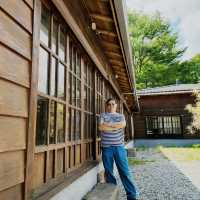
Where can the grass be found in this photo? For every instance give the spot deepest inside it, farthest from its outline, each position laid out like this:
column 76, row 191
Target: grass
column 185, row 153
column 133, row 161
column 143, row 148
column 173, row 152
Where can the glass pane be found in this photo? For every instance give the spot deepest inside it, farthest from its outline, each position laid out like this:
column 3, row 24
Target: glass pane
column 69, row 86
column 43, row 71
column 74, row 60
column 74, row 90
column 53, row 77
column 90, row 76
column 62, row 44
column 52, row 138
column 45, row 25
column 60, row 123
column 85, row 97
column 69, row 124
column 70, row 54
column 89, row 126
column 78, row 125
column 61, row 81
column 73, row 124
column 88, row 99
column 55, row 36
column 42, row 121
column 85, row 72
column 78, row 93
column 78, row 65
column 91, row 105
column 85, row 126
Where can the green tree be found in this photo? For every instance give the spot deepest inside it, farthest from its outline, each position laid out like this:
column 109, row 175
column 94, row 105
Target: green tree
column 194, row 127
column 189, row 71
column 155, row 50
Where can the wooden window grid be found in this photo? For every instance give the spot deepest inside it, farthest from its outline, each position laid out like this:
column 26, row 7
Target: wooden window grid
column 69, row 103
column 62, row 145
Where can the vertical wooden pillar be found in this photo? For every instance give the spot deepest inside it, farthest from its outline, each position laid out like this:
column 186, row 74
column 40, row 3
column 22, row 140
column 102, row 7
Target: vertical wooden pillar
column 121, row 106
column 94, row 144
column 82, row 110
column 132, row 126
column 32, row 102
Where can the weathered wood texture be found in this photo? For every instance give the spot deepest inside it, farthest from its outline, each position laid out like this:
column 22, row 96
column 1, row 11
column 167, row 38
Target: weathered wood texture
column 18, row 96
column 15, row 64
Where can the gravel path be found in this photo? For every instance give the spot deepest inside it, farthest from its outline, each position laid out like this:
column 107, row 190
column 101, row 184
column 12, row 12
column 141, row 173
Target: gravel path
column 160, row 179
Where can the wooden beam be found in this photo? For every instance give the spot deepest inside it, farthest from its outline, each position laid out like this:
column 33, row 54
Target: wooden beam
column 120, row 39
column 122, row 81
column 110, row 44
column 105, row 32
column 121, row 74
column 113, row 54
column 116, row 62
column 101, row 17
column 121, row 77
column 118, row 67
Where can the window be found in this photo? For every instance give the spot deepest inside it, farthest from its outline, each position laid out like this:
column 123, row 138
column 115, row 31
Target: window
column 43, row 71
column 62, row 44
column 52, row 134
column 61, row 81
column 66, row 98
column 45, row 26
column 163, row 125
column 42, row 121
column 127, row 131
column 88, row 108
column 53, row 76
column 51, row 126
column 55, row 35
column 60, row 123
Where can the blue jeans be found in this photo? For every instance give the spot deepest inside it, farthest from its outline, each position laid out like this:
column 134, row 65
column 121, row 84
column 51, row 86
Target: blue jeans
column 119, row 155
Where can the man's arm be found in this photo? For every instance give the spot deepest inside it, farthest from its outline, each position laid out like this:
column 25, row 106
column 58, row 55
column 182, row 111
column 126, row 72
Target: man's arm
column 106, row 127
column 112, row 126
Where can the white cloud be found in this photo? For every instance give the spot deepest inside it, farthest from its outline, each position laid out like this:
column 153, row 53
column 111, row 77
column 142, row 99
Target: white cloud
column 184, row 16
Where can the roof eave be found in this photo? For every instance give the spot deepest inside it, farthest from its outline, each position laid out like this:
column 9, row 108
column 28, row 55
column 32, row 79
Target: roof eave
column 121, row 13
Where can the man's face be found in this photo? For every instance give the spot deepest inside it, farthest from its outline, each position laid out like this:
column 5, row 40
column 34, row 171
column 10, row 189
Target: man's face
column 111, row 106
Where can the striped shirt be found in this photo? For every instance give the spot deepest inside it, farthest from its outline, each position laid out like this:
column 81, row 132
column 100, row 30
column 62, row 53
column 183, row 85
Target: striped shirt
column 112, row 138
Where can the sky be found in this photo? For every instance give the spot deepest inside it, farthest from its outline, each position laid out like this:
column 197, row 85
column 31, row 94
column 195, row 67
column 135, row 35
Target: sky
column 183, row 15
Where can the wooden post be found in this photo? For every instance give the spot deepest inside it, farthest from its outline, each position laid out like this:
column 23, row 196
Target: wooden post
column 95, row 153
column 32, row 101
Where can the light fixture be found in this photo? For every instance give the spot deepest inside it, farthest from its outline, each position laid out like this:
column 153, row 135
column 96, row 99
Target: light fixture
column 94, row 26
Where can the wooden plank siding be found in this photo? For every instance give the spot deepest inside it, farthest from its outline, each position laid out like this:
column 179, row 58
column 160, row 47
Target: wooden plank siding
column 20, row 41
column 15, row 66
column 30, row 171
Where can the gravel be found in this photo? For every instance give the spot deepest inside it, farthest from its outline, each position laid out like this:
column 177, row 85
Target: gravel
column 160, row 179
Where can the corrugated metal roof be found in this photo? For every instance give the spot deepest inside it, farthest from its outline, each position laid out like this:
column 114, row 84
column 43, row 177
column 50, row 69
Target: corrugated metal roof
column 169, row 89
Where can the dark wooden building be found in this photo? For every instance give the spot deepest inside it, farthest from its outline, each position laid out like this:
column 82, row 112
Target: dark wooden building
column 59, row 61
column 162, row 112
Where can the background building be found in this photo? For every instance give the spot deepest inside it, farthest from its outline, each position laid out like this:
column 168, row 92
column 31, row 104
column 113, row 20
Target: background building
column 162, row 112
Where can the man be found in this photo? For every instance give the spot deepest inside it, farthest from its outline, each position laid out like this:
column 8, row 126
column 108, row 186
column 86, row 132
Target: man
column 111, row 126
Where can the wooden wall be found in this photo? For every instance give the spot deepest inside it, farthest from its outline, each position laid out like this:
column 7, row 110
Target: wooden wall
column 15, row 66
column 16, row 37
column 162, row 105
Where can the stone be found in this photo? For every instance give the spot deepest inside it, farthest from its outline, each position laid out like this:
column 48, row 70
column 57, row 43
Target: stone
column 103, row 191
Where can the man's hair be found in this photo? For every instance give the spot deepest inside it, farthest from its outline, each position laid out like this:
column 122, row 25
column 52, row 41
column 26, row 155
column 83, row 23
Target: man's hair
column 110, row 99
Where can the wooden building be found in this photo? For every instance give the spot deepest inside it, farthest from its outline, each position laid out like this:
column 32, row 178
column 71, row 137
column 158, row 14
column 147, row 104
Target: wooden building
column 162, row 112
column 59, row 61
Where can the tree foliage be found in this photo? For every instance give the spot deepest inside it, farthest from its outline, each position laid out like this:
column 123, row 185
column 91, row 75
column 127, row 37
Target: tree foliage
column 156, row 53
column 194, row 127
